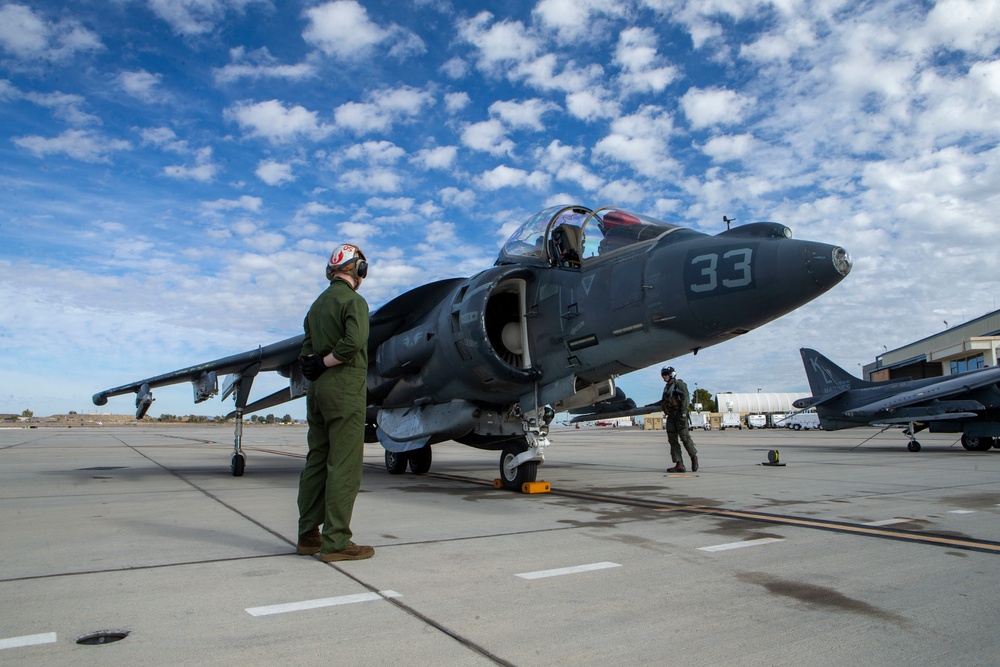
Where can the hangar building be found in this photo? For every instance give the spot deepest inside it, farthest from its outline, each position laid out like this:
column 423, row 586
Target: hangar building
column 963, row 347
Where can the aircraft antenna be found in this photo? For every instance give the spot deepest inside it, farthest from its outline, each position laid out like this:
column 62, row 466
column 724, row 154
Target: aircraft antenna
column 728, row 221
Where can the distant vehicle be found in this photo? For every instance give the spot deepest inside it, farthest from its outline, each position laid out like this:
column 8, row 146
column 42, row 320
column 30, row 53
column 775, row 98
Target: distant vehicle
column 966, row 403
column 801, row 420
column 701, row 420
column 730, row 419
column 774, row 419
column 756, row 421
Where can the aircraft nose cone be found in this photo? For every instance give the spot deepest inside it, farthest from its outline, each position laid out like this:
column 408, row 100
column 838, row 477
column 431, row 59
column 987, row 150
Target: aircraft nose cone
column 827, row 264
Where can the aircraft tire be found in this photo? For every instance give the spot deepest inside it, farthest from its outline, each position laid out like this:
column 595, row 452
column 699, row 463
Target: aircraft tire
column 420, row 460
column 526, row 472
column 395, row 462
column 976, row 444
column 913, row 446
column 238, row 465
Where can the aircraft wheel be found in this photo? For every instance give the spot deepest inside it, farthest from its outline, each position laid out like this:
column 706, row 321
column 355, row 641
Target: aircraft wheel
column 420, row 460
column 526, row 472
column 395, row 462
column 238, row 464
column 975, row 443
column 913, row 446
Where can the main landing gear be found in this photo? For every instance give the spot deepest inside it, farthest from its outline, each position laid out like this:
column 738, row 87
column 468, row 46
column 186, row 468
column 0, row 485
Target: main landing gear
column 975, row 443
column 418, row 460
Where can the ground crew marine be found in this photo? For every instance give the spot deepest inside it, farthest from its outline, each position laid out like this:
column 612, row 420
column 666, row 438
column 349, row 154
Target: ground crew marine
column 335, row 359
column 674, row 404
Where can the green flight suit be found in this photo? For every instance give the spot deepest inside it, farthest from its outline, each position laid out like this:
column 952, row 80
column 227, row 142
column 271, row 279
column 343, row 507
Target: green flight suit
column 675, row 406
column 337, row 322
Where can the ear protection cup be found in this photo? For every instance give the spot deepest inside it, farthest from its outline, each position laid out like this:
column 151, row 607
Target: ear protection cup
column 361, row 268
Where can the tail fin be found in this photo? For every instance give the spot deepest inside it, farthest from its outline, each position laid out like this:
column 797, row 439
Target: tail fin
column 826, row 377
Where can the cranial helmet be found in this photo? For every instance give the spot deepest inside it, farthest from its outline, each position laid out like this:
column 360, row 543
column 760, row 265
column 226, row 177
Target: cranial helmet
column 668, row 371
column 349, row 259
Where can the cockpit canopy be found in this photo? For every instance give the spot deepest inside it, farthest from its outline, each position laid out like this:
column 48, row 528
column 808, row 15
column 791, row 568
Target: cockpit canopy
column 569, row 236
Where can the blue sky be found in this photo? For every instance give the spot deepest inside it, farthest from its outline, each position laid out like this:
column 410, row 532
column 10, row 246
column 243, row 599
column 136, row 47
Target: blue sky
column 174, row 172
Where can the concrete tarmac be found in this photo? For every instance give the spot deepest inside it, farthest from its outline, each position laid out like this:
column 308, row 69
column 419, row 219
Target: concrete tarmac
column 852, row 553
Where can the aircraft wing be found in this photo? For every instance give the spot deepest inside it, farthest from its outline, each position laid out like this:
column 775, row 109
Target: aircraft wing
column 281, row 356
column 618, row 406
column 932, row 394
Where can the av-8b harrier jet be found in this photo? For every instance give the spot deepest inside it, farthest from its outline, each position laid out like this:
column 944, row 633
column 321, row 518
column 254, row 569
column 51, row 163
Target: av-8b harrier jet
column 576, row 298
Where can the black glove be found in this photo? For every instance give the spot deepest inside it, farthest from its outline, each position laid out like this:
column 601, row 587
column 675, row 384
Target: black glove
column 313, row 367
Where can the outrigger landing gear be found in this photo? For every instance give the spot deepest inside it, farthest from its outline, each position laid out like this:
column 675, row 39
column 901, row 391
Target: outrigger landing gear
column 238, row 462
column 911, row 431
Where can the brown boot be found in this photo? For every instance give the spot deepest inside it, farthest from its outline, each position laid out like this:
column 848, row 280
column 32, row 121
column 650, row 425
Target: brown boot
column 694, row 463
column 309, row 543
column 678, row 467
column 352, row 552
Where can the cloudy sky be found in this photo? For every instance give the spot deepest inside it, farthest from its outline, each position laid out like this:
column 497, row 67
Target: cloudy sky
column 174, row 172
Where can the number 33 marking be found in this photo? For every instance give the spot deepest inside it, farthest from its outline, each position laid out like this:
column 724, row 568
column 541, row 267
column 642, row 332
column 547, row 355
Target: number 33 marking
column 735, row 270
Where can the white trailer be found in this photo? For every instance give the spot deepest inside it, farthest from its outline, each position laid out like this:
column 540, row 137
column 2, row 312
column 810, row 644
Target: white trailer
column 756, row 421
column 701, row 420
column 801, row 420
column 730, row 419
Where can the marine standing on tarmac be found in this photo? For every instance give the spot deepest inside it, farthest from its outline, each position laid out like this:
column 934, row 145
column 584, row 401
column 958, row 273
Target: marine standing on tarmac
column 335, row 360
column 678, row 421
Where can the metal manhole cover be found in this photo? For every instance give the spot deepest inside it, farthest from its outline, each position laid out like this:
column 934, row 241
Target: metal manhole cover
column 102, row 637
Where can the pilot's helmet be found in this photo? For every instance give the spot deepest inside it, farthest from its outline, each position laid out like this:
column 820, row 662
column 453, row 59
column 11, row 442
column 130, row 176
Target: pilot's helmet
column 668, row 372
column 349, row 259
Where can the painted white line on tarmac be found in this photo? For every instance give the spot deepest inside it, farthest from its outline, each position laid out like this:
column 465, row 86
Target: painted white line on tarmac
column 321, row 602
column 28, row 640
column 576, row 569
column 886, row 522
column 962, row 512
column 741, row 545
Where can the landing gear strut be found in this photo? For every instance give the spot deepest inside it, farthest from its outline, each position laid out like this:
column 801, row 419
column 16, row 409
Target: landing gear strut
column 912, row 445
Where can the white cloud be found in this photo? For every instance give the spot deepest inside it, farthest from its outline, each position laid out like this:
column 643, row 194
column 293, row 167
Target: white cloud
column 592, row 104
column 566, row 163
column 383, row 109
column 455, row 102
column 274, row 173
column 440, row 157
column 277, row 123
column 523, row 115
column 452, row 196
column 244, row 203
column 643, row 70
column 455, row 68
column 370, row 180
column 489, row 136
column 204, row 170
column 509, row 177
column 500, row 44
column 714, row 106
column 260, row 64
column 141, row 85
column 375, row 152
column 729, row 147
column 29, row 36
column 78, row 144
column 574, row 19
column 641, row 140
column 191, row 18
column 66, row 107
column 343, row 30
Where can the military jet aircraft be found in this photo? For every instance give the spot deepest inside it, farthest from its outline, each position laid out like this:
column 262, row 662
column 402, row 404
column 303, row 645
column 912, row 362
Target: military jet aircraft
column 966, row 403
column 576, row 298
